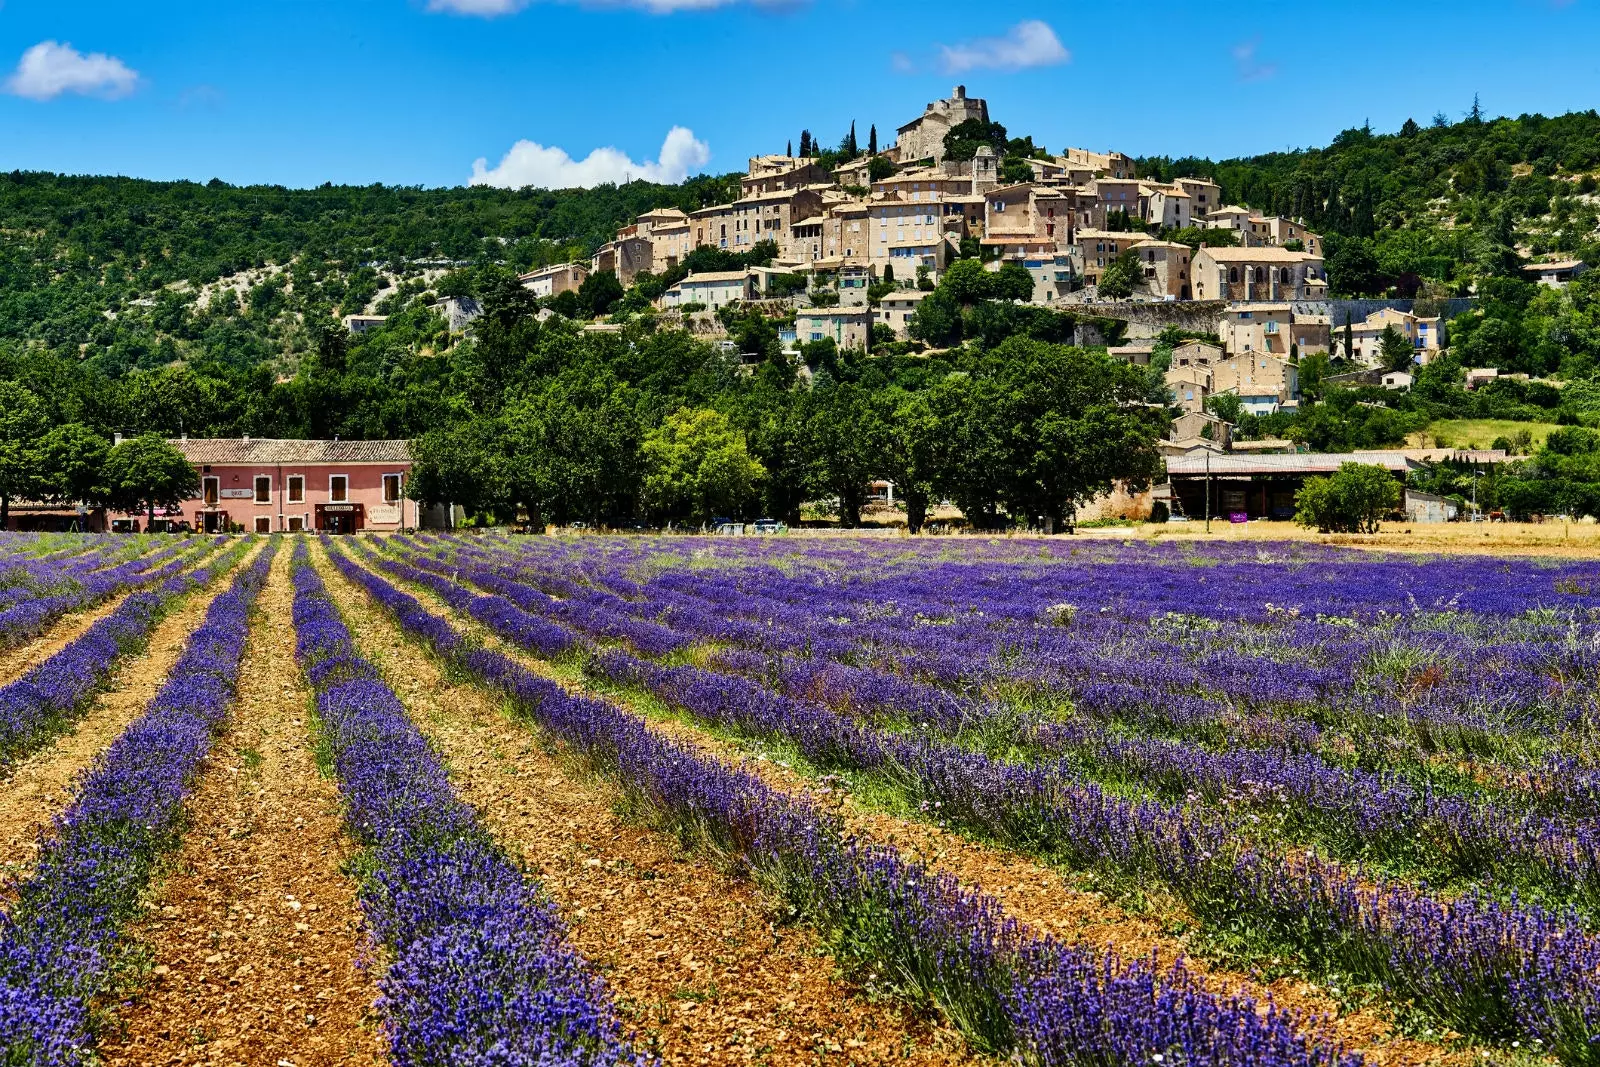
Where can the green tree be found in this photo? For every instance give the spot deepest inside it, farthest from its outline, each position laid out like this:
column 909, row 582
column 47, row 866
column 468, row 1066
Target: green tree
column 22, row 423
column 1354, row 499
column 1353, row 268
column 1119, row 280
column 1011, row 282
column 598, row 293
column 696, row 464
column 912, row 440
column 1395, row 348
column 574, row 443
column 880, row 168
column 146, row 473
column 963, row 140
column 872, row 141
column 845, row 438
column 1072, row 425
column 463, row 464
column 73, row 464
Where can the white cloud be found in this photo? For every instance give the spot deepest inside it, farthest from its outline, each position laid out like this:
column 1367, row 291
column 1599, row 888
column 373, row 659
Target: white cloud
column 494, row 8
column 532, row 164
column 1250, row 66
column 50, row 68
column 1028, row 44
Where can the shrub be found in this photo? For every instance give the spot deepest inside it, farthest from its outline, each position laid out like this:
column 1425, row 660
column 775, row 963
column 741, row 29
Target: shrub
column 1353, row 500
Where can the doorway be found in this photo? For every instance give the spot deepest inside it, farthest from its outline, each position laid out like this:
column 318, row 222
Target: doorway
column 214, row 522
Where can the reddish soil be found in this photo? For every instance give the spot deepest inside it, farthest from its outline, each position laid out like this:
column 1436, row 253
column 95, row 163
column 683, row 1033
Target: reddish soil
column 41, row 785
column 700, row 968
column 256, row 938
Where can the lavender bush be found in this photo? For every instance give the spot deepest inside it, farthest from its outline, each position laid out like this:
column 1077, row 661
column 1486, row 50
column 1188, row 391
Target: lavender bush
column 60, row 945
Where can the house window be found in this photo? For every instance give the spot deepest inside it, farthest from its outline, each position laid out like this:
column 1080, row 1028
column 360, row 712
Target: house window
column 263, row 524
column 391, row 488
column 297, row 524
column 213, row 491
column 263, row 489
column 339, row 488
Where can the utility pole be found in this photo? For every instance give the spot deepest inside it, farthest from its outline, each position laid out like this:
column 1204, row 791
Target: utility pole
column 1208, row 491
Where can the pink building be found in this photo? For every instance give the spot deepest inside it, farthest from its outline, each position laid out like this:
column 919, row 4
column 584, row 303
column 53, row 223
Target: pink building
column 268, row 486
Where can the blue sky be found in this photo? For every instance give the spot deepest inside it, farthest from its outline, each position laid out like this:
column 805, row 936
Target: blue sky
column 413, row 92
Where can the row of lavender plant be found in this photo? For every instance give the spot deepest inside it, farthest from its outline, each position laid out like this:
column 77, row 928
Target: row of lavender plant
column 61, row 946
column 1135, row 681
column 36, row 706
column 73, row 589
column 1493, row 969
column 1009, row 991
column 480, row 971
column 1358, row 814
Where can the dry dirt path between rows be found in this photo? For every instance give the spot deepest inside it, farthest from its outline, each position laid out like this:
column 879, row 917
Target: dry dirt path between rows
column 15, row 662
column 701, row 972
column 1032, row 892
column 255, row 936
column 42, row 784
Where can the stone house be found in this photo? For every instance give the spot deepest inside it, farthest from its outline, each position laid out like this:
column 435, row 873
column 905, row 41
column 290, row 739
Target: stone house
column 1258, row 275
column 923, row 138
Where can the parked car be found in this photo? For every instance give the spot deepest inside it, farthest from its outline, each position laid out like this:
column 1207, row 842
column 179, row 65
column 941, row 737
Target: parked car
column 769, row 526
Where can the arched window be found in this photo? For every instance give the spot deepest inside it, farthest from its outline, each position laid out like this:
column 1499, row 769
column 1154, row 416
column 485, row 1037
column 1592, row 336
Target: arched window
column 1233, row 275
column 1286, row 276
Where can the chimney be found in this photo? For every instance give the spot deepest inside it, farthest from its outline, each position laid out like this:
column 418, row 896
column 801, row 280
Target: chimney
column 116, row 439
column 246, row 438
column 960, row 93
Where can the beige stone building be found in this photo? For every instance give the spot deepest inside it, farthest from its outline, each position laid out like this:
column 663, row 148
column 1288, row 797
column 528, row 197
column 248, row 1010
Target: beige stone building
column 1265, row 384
column 1196, row 354
column 555, row 280
column 713, row 289
column 1258, row 275
column 897, row 308
column 1205, row 195
column 1108, row 164
column 775, row 174
column 1095, row 250
column 848, row 327
column 906, row 236
column 1104, row 197
column 626, row 257
column 1258, row 329
column 923, row 138
column 667, row 230
column 1165, row 205
column 1165, row 268
column 769, row 216
column 1190, row 385
column 1424, row 334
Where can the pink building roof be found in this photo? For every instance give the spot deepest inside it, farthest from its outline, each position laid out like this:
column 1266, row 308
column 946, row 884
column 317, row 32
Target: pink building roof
column 266, row 451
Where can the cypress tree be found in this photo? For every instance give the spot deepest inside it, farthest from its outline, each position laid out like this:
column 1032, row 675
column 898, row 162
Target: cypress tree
column 872, row 141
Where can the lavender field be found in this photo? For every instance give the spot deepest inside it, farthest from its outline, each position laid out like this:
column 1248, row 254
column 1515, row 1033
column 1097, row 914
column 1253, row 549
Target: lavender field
column 498, row 800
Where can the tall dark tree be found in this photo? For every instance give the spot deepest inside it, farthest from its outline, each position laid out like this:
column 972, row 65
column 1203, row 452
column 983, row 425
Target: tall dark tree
column 849, row 147
column 872, row 141
column 805, row 144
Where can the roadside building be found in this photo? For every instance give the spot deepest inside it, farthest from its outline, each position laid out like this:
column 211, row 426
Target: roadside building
column 266, row 485
column 1196, row 354
column 1261, row 486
